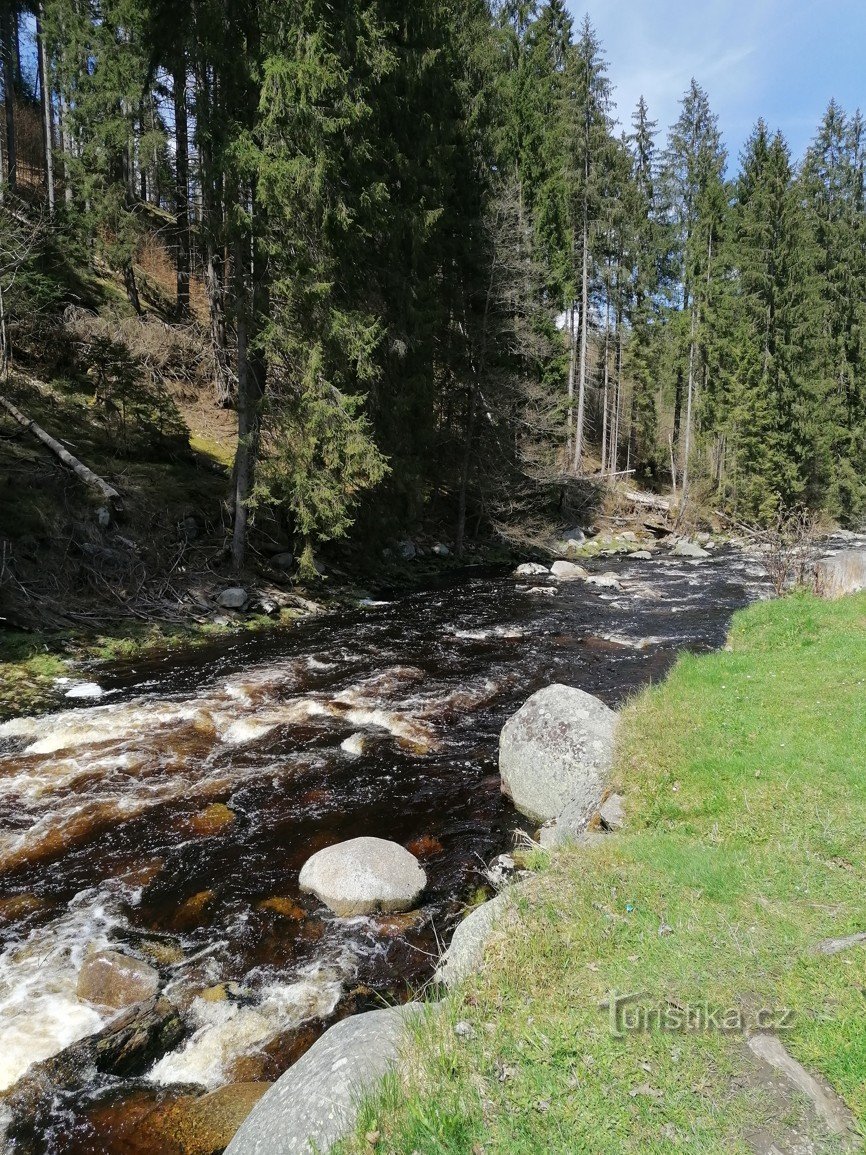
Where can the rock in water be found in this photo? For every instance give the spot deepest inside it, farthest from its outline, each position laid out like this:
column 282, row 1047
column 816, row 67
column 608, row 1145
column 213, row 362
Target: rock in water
column 315, row 1103
column 234, row 598
column 843, row 573
column 689, row 549
column 567, row 571
column 110, row 979
column 531, row 569
column 364, row 875
column 557, row 749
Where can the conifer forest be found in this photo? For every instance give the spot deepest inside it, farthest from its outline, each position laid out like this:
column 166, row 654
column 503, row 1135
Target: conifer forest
column 429, row 263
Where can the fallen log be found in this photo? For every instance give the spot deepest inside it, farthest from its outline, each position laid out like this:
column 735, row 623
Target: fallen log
column 81, row 471
column 648, row 500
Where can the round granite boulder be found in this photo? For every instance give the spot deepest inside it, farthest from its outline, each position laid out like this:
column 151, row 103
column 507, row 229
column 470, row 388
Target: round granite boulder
column 556, row 751
column 363, row 876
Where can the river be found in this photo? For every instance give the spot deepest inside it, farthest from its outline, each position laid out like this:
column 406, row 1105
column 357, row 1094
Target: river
column 381, row 721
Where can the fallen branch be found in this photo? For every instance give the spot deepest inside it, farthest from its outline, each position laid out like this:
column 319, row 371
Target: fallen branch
column 78, row 467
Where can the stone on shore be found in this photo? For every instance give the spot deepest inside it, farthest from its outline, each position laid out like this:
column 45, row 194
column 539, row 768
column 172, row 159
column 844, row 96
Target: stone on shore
column 315, row 1103
column 234, row 598
column 567, row 571
column 465, row 955
column 555, row 751
column 110, row 979
column 842, row 573
column 685, row 548
column 364, row 876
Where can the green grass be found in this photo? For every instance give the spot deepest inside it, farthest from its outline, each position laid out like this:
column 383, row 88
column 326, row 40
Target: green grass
column 745, row 782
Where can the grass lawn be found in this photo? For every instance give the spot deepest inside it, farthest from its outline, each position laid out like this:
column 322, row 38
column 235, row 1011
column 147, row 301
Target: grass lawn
column 745, row 782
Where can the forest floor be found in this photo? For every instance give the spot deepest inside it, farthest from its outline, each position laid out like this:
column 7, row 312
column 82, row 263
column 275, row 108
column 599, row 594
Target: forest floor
column 745, row 791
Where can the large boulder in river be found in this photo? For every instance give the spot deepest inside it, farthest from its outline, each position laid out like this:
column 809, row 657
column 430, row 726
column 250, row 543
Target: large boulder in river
column 110, row 979
column 842, row 573
column 315, row 1103
column 685, row 548
column 555, row 751
column 567, row 571
column 363, row 876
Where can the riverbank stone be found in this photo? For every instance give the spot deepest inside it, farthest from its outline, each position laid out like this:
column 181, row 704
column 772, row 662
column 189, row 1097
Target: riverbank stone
column 234, row 598
column 842, row 573
column 364, row 876
column 465, row 954
column 110, row 979
column 556, row 751
column 315, row 1103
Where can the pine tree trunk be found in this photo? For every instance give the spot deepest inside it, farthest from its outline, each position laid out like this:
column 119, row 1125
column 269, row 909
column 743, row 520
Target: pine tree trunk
column 605, row 397
column 618, row 397
column 572, row 365
column 460, row 534
column 687, row 439
column 584, row 337
column 68, row 146
column 7, row 30
column 181, row 184
column 251, row 304
column 47, row 110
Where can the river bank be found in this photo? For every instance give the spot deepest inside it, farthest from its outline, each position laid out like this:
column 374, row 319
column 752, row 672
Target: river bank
column 723, row 911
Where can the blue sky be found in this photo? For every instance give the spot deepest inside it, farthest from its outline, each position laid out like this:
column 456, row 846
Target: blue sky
column 780, row 59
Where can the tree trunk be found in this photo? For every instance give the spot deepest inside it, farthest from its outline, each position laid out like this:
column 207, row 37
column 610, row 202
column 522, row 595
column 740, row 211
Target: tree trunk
column 181, row 184
column 460, row 534
column 7, row 30
column 67, row 144
column 47, row 109
column 251, row 384
column 605, row 399
column 572, row 365
column 78, row 467
column 584, row 337
column 131, row 286
column 687, row 439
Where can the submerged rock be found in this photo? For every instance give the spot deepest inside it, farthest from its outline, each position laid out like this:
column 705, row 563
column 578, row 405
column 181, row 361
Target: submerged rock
column 315, row 1103
column 363, row 876
column 556, row 750
column 110, row 979
column 213, row 819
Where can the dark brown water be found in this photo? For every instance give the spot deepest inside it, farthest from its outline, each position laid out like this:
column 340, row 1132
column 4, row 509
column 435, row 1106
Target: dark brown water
column 382, row 721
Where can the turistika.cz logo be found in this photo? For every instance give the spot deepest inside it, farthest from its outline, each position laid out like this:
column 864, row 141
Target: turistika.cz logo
column 627, row 1015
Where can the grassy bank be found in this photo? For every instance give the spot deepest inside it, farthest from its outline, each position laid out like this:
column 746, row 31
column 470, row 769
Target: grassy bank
column 745, row 781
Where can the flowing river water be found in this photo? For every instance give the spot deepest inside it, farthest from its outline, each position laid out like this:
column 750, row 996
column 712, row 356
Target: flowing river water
column 380, row 721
